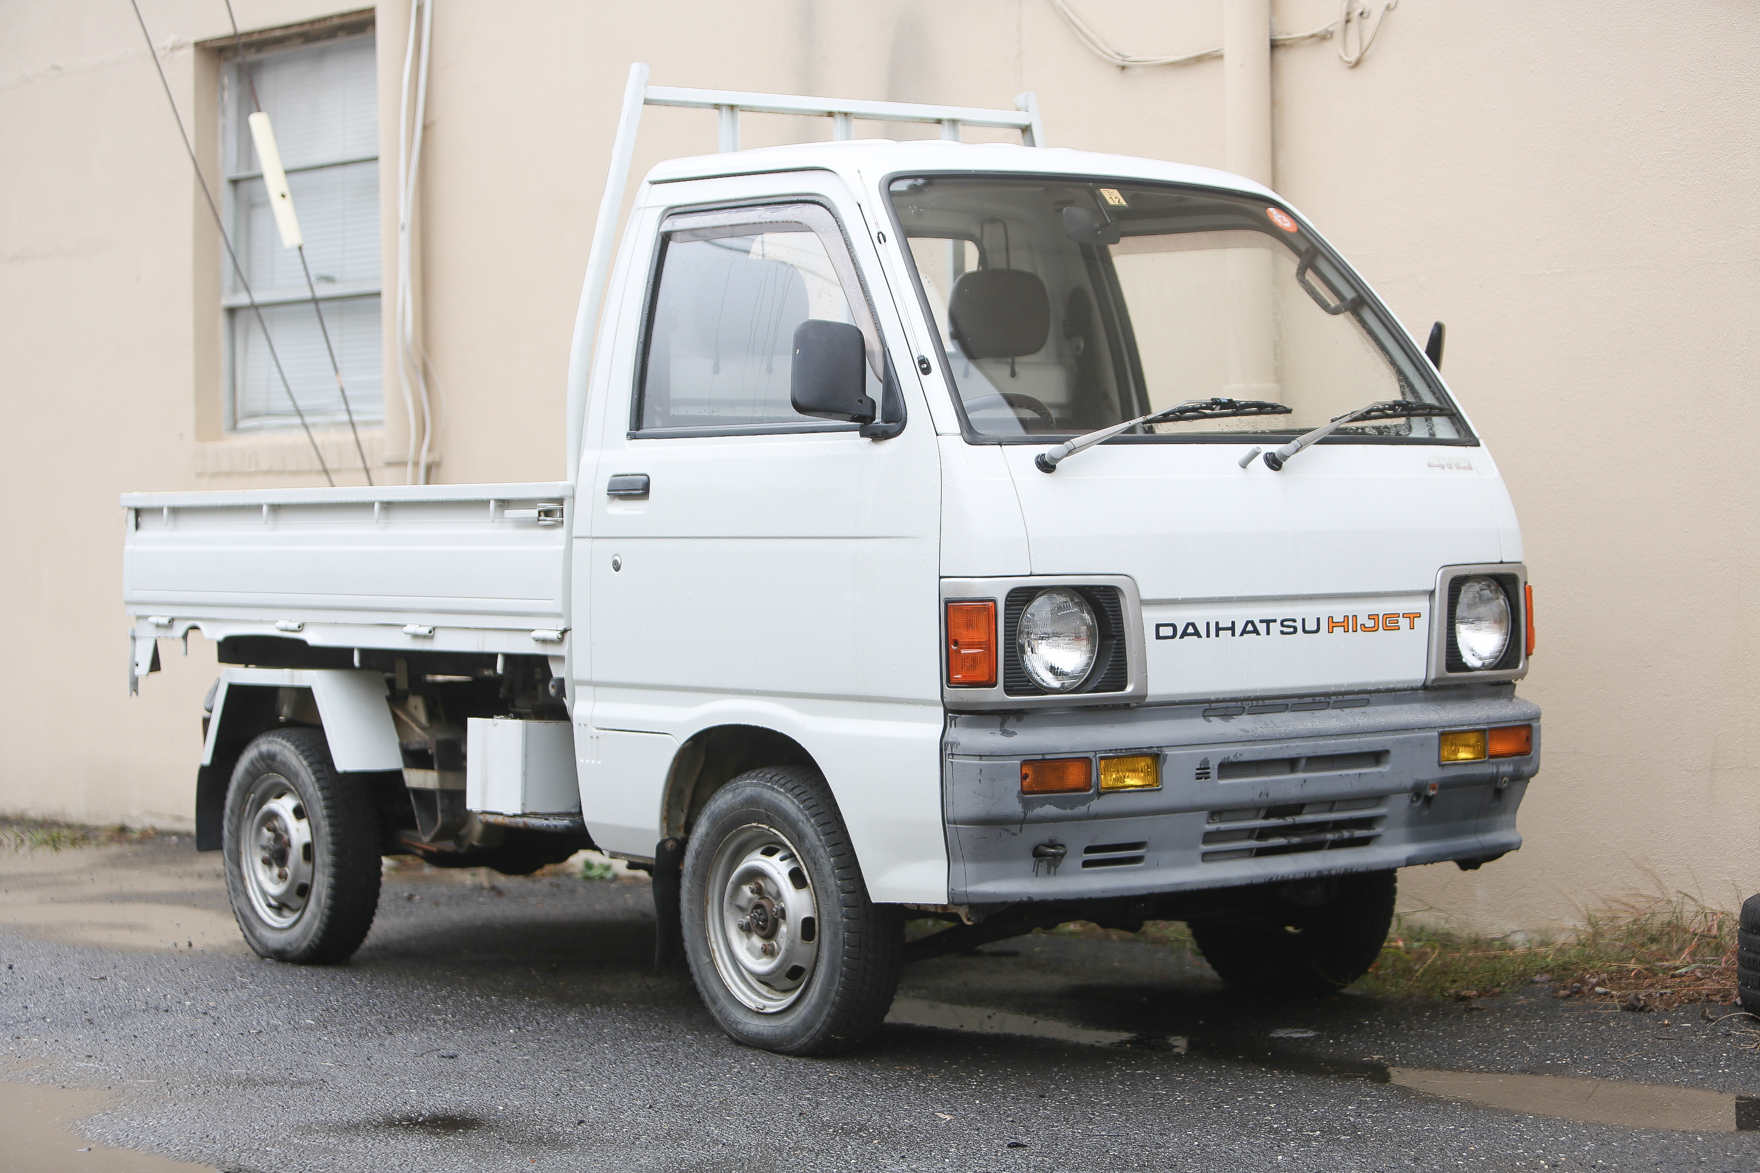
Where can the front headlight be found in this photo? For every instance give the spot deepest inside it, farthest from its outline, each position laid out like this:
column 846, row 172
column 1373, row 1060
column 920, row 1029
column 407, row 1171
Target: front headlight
column 1481, row 622
column 1058, row 639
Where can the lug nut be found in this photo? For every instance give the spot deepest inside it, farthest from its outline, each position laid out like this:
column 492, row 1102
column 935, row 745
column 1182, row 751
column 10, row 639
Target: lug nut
column 744, row 926
column 768, row 948
column 757, row 888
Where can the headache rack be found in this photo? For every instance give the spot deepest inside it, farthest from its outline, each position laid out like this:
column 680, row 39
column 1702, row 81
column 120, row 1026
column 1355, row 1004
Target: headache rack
column 843, row 113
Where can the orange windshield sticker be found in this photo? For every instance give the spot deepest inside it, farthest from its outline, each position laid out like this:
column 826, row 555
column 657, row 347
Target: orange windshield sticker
column 1282, row 219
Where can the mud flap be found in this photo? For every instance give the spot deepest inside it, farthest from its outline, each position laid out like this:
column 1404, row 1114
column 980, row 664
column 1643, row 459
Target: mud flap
column 668, row 887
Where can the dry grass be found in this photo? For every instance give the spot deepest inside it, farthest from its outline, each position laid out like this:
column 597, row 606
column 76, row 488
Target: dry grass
column 45, row 834
column 1640, row 953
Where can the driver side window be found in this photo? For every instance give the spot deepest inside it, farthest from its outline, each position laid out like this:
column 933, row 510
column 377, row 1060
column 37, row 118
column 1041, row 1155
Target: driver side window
column 728, row 297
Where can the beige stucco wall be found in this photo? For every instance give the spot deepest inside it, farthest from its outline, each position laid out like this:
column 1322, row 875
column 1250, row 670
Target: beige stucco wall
column 1568, row 186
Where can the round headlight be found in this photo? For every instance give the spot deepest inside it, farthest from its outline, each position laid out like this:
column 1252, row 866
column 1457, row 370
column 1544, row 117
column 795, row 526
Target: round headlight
column 1058, row 639
column 1481, row 622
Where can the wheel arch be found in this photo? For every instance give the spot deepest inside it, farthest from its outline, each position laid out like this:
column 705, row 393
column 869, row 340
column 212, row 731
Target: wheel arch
column 347, row 705
column 710, row 758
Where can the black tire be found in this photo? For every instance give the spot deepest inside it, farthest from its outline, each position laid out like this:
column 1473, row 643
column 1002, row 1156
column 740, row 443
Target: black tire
column 1303, row 951
column 1748, row 956
column 849, row 957
column 301, row 846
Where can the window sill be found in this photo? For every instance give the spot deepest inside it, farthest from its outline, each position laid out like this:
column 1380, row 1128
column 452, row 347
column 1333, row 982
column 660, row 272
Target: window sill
column 271, row 453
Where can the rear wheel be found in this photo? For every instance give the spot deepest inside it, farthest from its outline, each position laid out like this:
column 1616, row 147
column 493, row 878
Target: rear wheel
column 301, row 847
column 1303, row 948
column 786, row 949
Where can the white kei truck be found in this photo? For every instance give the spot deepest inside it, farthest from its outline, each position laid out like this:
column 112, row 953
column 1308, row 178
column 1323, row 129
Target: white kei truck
column 991, row 534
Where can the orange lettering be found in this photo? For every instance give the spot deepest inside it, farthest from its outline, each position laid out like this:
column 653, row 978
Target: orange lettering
column 1414, row 616
column 1390, row 623
column 1333, row 625
column 1376, row 619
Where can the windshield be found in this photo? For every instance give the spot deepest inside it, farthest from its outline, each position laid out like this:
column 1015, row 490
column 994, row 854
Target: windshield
column 1066, row 305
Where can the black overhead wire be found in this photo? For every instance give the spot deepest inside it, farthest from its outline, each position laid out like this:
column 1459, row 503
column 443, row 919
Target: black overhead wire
column 238, row 269
column 335, row 367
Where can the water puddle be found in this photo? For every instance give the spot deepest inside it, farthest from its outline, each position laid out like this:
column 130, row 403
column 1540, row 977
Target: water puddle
column 40, row 1134
column 983, row 1020
column 1590, row 1101
column 92, row 896
column 437, row 1124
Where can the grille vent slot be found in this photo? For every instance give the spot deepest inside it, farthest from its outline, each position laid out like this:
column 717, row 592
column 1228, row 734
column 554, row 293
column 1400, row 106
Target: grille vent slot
column 1292, row 828
column 1202, row 773
column 1328, row 763
column 1111, row 671
column 1113, row 855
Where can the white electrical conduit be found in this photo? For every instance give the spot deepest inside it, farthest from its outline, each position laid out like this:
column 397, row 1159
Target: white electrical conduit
column 1355, row 12
column 411, row 358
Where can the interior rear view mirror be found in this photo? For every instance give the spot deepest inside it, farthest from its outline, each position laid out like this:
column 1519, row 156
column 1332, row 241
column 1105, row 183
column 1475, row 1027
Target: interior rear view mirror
column 1084, row 227
column 830, row 374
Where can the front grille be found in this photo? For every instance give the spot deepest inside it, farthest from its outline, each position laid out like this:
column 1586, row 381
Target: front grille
column 1512, row 654
column 1113, row 855
column 1291, row 828
column 1325, row 763
column 1111, row 671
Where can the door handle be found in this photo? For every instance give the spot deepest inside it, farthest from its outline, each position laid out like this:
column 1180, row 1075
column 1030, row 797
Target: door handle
column 627, row 484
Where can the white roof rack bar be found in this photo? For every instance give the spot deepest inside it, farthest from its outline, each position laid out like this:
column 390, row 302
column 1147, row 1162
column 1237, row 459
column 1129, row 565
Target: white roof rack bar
column 842, row 111
column 1024, row 118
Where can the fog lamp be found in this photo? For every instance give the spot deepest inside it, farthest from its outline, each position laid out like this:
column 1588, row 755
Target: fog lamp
column 1136, row 772
column 1462, row 745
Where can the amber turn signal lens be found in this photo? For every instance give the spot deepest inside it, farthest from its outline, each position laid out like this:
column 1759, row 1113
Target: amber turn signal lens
column 1137, row 772
column 1528, row 614
column 1462, row 745
column 1056, row 776
column 971, row 644
column 1511, row 741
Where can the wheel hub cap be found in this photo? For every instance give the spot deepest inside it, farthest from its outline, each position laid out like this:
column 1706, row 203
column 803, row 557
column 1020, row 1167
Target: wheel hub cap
column 762, row 918
column 275, row 852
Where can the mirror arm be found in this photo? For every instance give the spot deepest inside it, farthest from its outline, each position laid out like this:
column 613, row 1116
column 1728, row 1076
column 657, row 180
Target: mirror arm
column 893, row 415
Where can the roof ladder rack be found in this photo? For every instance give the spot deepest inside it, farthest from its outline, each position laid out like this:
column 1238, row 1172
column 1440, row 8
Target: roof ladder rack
column 730, row 103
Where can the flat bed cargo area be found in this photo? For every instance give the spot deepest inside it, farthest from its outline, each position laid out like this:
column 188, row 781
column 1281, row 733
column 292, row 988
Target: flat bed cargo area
column 475, row 568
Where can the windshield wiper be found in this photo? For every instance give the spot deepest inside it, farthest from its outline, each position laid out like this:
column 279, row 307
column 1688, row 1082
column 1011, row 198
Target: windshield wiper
column 1191, row 409
column 1387, row 409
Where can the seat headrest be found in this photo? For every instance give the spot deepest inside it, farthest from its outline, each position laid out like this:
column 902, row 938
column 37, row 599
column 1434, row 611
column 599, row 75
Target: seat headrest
column 1000, row 313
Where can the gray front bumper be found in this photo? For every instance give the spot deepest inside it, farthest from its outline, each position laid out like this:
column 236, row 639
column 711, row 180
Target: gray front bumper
column 1247, row 795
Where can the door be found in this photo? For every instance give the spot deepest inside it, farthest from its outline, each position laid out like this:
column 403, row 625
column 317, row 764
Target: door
column 751, row 565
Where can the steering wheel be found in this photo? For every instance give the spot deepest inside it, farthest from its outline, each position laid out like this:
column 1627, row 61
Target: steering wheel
column 1016, row 401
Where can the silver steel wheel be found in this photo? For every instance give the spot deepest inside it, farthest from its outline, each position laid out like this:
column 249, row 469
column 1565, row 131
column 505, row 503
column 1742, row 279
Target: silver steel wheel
column 762, row 918
column 275, row 851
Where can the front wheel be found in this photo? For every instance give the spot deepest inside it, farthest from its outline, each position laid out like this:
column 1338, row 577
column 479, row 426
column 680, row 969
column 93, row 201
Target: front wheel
column 301, row 847
column 1305, row 948
column 786, row 949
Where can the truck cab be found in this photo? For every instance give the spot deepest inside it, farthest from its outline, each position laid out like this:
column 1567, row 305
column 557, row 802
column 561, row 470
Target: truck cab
column 991, row 535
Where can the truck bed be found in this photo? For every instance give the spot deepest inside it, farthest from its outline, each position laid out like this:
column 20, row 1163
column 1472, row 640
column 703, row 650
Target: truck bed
column 482, row 566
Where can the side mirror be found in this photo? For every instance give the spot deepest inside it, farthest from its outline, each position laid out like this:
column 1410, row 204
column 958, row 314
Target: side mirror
column 830, row 375
column 1433, row 348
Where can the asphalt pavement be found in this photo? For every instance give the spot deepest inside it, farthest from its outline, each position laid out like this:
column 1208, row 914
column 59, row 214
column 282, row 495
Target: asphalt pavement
column 498, row 1024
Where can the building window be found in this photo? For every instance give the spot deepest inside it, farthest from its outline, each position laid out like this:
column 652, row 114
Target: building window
column 322, row 101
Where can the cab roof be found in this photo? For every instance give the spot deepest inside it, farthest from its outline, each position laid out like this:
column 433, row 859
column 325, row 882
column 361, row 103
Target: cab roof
column 870, row 159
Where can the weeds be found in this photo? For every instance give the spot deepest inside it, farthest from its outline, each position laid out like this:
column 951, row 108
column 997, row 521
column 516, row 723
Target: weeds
column 1641, row 953
column 45, row 834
